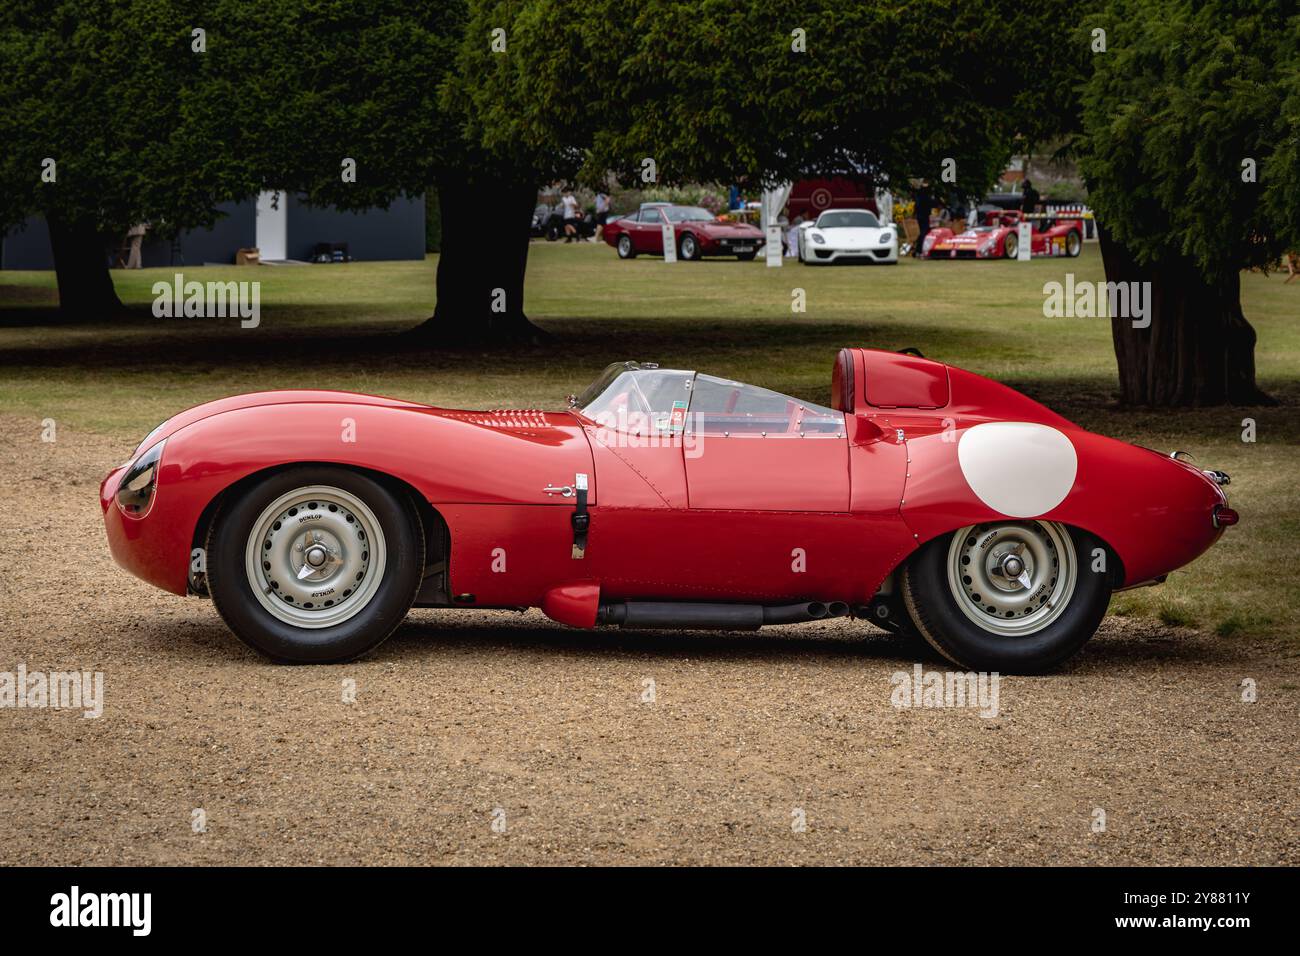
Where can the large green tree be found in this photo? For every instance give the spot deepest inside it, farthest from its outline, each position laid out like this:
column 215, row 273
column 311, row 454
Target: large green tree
column 1161, row 120
column 1190, row 145
column 353, row 103
column 341, row 101
column 765, row 90
column 95, row 120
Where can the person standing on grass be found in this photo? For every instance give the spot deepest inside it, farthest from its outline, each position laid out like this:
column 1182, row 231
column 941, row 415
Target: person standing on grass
column 1028, row 198
column 570, row 206
column 602, row 214
column 924, row 202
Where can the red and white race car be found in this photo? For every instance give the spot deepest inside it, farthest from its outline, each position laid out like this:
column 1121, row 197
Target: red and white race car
column 927, row 499
column 999, row 237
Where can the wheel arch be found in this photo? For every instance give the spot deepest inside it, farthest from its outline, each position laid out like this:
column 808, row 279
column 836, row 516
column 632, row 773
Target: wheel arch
column 496, row 460
column 437, row 534
column 1115, row 570
column 1153, row 514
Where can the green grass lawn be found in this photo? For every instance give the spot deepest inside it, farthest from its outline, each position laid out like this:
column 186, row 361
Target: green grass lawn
column 332, row 327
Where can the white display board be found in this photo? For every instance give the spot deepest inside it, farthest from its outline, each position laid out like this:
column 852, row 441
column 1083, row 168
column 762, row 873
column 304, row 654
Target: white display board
column 670, row 242
column 1025, row 235
column 272, row 226
column 775, row 247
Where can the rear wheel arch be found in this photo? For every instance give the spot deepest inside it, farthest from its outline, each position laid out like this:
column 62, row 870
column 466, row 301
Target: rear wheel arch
column 1114, row 563
column 936, row 602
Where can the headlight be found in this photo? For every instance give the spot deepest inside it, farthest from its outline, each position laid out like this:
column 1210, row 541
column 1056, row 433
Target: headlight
column 136, row 489
column 887, row 237
column 817, row 238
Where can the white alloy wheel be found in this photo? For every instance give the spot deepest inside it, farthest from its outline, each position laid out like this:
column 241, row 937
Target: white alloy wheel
column 315, row 556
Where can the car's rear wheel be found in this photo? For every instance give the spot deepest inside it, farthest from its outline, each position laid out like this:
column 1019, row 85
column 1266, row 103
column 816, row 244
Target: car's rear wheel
column 315, row 564
column 1010, row 246
column 1011, row 596
column 1073, row 244
column 689, row 247
column 625, row 250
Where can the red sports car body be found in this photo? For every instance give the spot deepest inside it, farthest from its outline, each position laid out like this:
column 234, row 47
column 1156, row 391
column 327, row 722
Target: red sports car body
column 999, row 238
column 926, row 498
column 697, row 231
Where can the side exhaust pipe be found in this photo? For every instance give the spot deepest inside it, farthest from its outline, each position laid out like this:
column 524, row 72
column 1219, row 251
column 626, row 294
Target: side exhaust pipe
column 724, row 617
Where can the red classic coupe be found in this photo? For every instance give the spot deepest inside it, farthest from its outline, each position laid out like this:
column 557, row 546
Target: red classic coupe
column 999, row 238
column 926, row 499
column 698, row 233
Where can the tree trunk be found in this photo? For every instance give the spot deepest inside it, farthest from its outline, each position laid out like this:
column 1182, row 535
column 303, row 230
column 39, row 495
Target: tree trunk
column 485, row 236
column 1198, row 349
column 81, row 269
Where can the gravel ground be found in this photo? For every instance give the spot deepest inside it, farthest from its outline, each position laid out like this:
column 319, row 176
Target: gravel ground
column 463, row 720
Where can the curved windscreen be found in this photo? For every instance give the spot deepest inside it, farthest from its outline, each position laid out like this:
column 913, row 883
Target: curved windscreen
column 636, row 398
column 643, row 399
column 848, row 219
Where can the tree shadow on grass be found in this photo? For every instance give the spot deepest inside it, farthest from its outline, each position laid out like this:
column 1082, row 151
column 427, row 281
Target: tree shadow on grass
column 343, row 342
column 336, row 336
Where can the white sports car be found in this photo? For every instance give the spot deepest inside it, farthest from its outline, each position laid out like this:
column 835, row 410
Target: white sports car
column 849, row 235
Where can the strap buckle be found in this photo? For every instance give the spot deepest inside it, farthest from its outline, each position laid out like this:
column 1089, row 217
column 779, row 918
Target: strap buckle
column 580, row 519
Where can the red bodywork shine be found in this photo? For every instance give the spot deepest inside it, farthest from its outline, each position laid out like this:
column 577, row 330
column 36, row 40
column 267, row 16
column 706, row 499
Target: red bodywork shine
column 727, row 524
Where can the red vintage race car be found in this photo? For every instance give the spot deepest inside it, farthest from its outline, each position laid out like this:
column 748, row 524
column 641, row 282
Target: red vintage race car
column 925, row 498
column 698, row 233
column 999, row 237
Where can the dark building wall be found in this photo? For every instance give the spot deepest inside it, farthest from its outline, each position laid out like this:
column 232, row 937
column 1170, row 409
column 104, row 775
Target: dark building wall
column 28, row 247
column 393, row 233
column 236, row 229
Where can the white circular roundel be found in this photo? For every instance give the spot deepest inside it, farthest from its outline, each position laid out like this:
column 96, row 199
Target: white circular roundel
column 1020, row 469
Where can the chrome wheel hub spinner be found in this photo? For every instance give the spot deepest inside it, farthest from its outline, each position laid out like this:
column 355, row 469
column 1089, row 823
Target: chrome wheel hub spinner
column 1012, row 578
column 315, row 556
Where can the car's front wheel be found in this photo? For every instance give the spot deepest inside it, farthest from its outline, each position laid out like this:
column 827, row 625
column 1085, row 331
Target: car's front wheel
column 315, row 564
column 625, row 250
column 1011, row 596
column 690, row 247
column 1011, row 246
